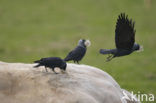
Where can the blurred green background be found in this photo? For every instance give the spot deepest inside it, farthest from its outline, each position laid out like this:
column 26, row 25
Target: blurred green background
column 31, row 29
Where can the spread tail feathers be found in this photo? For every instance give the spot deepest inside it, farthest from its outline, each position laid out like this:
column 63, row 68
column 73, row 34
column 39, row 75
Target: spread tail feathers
column 37, row 61
column 105, row 51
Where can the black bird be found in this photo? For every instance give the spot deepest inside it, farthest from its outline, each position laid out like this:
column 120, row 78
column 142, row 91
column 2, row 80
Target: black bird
column 51, row 62
column 78, row 53
column 124, row 38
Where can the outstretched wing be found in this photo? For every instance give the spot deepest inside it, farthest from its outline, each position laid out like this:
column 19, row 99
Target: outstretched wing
column 76, row 54
column 124, row 32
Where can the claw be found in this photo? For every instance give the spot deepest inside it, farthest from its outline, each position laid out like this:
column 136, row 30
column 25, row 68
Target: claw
column 109, row 58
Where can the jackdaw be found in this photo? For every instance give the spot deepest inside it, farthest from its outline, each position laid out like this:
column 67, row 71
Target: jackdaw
column 51, row 62
column 124, row 38
column 78, row 53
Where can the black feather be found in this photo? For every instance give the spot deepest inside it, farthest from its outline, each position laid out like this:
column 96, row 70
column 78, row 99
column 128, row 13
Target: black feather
column 124, row 32
column 51, row 62
column 106, row 51
column 77, row 54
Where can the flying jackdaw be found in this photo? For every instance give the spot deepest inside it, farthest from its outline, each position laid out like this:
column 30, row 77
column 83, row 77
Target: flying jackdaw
column 124, row 38
column 51, row 62
column 78, row 53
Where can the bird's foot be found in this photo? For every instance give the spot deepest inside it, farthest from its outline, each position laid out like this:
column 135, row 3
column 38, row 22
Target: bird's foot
column 109, row 58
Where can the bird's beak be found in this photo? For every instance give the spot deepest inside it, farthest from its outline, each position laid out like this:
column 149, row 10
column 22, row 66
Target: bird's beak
column 141, row 49
column 87, row 43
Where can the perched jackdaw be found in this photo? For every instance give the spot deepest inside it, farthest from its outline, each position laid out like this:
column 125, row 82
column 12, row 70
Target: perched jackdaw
column 78, row 53
column 124, row 38
column 51, row 62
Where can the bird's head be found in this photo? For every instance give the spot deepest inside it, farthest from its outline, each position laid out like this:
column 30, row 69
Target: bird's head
column 84, row 43
column 137, row 47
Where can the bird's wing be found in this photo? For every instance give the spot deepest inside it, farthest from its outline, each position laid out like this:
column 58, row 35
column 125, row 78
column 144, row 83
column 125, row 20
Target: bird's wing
column 124, row 32
column 69, row 56
column 76, row 53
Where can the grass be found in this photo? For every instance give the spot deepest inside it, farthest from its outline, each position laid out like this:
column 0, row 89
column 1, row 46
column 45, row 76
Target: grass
column 33, row 29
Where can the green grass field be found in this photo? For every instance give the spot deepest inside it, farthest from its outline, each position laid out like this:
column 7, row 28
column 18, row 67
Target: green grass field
column 31, row 29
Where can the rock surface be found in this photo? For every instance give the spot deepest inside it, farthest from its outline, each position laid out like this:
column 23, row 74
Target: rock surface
column 21, row 83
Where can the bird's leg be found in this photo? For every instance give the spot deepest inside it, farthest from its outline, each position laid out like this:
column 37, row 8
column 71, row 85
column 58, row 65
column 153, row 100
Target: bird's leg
column 109, row 58
column 54, row 71
column 77, row 62
column 74, row 61
column 46, row 69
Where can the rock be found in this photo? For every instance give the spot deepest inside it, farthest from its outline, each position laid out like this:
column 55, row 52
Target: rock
column 21, row 83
